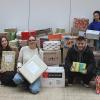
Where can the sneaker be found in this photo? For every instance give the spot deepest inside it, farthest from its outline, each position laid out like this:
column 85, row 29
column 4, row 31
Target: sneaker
column 86, row 85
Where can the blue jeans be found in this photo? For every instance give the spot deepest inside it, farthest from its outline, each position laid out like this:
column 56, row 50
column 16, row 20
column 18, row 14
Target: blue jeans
column 34, row 87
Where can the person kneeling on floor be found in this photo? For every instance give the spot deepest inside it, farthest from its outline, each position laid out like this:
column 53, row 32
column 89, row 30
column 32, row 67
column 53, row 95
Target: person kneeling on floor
column 25, row 54
column 80, row 62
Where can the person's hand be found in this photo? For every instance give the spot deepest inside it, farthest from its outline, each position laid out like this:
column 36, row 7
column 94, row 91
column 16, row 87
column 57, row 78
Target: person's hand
column 18, row 67
column 72, row 68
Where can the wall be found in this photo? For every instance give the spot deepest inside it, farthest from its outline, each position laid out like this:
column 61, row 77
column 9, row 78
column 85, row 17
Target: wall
column 38, row 14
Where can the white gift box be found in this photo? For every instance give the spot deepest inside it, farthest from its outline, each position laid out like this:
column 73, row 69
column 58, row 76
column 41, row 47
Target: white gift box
column 53, row 77
column 33, row 69
column 8, row 61
column 92, row 34
column 51, row 45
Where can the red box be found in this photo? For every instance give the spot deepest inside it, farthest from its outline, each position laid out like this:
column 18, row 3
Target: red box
column 26, row 35
column 98, row 84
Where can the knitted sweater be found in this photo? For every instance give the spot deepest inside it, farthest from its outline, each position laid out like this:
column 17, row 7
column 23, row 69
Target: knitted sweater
column 26, row 54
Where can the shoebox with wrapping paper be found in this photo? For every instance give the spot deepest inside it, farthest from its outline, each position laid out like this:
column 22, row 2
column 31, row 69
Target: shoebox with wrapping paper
column 80, row 24
column 12, row 33
column 98, row 84
column 26, row 35
column 55, row 37
column 51, row 45
column 43, row 32
column 78, row 67
column 33, row 69
column 53, row 77
column 42, row 40
column 13, row 43
column 92, row 34
column 51, row 57
column 8, row 61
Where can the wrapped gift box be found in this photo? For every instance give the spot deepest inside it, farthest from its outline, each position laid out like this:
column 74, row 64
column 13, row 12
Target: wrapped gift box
column 51, row 45
column 26, row 35
column 4, row 34
column 42, row 40
column 55, row 37
column 13, row 43
column 51, row 57
column 33, row 69
column 53, row 77
column 98, row 84
column 92, row 34
column 81, row 23
column 8, row 61
column 43, row 32
column 78, row 67
column 12, row 33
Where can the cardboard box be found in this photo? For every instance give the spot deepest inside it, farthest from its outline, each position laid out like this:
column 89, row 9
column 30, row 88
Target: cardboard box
column 33, row 69
column 51, row 45
column 51, row 57
column 98, row 84
column 92, row 34
column 53, row 77
column 4, row 34
column 8, row 61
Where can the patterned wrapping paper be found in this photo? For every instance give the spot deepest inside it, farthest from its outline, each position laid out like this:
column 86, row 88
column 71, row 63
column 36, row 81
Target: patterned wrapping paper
column 8, row 61
column 80, row 23
column 51, row 45
column 98, row 84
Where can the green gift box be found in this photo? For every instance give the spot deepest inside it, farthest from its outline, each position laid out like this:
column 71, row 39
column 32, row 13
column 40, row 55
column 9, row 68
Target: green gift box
column 82, row 68
column 78, row 67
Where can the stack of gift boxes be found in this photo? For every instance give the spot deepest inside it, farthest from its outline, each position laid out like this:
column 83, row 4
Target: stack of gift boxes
column 79, row 24
column 54, row 76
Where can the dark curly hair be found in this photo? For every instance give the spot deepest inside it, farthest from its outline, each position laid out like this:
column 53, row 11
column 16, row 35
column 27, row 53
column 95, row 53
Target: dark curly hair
column 96, row 12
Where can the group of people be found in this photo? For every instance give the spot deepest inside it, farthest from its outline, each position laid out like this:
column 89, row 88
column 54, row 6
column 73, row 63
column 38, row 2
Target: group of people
column 79, row 52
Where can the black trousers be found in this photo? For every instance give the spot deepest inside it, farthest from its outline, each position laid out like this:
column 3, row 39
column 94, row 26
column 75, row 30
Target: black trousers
column 86, row 78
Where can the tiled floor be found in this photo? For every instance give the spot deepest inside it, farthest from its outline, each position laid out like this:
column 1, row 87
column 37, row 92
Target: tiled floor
column 75, row 92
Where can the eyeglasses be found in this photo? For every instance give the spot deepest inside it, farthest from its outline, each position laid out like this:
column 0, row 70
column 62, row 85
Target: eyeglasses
column 31, row 40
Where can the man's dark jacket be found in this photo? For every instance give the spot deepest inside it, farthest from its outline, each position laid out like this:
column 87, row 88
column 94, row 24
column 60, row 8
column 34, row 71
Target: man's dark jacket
column 85, row 56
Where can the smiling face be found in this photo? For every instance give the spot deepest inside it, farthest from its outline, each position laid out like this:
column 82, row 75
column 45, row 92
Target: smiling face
column 81, row 45
column 32, row 42
column 96, row 16
column 4, row 42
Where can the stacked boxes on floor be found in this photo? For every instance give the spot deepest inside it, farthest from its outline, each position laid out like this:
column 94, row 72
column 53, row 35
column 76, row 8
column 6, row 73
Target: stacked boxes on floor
column 51, row 55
